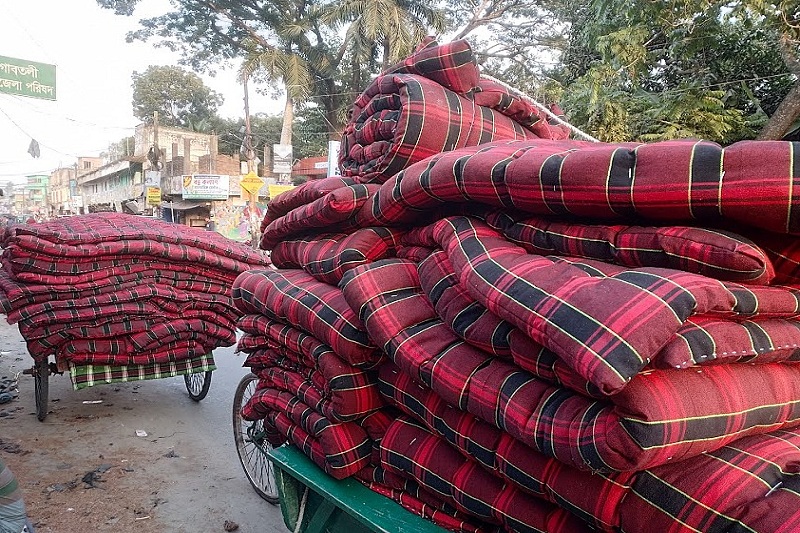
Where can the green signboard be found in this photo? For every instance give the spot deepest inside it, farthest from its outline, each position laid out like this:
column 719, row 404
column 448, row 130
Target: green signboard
column 27, row 78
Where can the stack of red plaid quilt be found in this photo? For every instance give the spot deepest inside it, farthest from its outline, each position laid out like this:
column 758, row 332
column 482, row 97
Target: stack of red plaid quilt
column 433, row 101
column 580, row 336
column 121, row 290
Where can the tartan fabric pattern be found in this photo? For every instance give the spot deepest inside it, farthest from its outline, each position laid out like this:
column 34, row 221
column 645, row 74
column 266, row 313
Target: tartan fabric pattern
column 670, row 181
column 714, row 253
column 125, row 335
column 331, row 387
column 784, row 253
column 660, row 417
column 332, row 210
column 171, row 301
column 114, row 232
column 167, row 351
column 692, row 495
column 473, row 323
column 319, row 309
column 327, row 257
column 398, row 119
column 606, row 328
column 16, row 295
column 117, row 290
column 26, row 253
column 410, row 450
column 99, row 272
column 495, row 96
column 90, row 375
column 706, row 340
column 346, row 447
column 301, row 195
column 451, row 65
column 450, row 522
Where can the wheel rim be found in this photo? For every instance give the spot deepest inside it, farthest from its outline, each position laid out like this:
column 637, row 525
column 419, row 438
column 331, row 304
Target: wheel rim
column 252, row 447
column 194, row 382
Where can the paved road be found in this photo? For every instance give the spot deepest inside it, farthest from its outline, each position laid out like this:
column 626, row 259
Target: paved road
column 184, row 476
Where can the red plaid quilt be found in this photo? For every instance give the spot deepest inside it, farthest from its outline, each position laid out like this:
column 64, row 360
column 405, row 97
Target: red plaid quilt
column 301, row 195
column 402, row 118
column 411, row 451
column 319, row 309
column 714, row 253
column 670, row 181
column 607, row 328
column 692, row 495
column 308, row 369
column 659, row 417
column 333, row 211
column 328, row 256
column 341, row 449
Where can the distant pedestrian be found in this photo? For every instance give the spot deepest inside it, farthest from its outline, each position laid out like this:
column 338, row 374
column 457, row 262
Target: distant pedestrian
column 12, row 508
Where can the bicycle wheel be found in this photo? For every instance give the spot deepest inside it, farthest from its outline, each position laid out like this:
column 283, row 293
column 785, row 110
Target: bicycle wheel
column 252, row 445
column 197, row 384
column 41, row 388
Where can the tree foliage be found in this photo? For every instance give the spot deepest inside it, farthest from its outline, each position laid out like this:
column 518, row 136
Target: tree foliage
column 180, row 97
column 690, row 68
column 623, row 69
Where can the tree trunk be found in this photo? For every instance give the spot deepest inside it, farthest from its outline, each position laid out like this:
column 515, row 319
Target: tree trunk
column 779, row 123
column 288, row 118
column 789, row 109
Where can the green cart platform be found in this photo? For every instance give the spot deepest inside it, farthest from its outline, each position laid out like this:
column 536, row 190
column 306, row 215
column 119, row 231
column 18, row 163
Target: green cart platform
column 333, row 505
column 312, row 501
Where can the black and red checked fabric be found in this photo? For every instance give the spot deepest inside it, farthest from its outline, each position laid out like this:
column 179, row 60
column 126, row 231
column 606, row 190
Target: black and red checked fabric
column 350, row 392
column 473, row 323
column 121, row 290
column 319, row 309
column 495, row 96
column 334, row 211
column 328, row 256
column 15, row 295
column 300, row 196
column 665, row 182
column 452, row 65
column 409, row 450
column 403, row 118
column 692, row 495
column 607, row 328
column 659, row 417
column 341, row 449
column 75, row 236
column 718, row 254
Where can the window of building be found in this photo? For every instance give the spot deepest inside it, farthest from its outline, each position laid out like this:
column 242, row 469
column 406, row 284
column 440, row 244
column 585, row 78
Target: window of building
column 87, row 165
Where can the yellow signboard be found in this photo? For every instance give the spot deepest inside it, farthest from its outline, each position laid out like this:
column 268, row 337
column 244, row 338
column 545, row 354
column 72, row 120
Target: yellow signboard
column 251, row 182
column 154, row 196
column 275, row 190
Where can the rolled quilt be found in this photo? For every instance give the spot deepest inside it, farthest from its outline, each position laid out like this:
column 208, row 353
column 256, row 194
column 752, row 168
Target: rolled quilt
column 402, row 118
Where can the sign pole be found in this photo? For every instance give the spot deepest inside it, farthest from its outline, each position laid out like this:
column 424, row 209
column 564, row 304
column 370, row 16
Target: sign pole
column 248, row 143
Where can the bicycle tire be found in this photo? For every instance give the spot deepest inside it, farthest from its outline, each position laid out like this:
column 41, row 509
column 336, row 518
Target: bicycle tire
column 197, row 384
column 258, row 469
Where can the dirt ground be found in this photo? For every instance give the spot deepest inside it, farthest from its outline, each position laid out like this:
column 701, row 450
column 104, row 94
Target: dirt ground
column 85, row 469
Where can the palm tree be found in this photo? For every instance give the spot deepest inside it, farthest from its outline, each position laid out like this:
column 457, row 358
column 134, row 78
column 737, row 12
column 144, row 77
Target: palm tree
column 396, row 26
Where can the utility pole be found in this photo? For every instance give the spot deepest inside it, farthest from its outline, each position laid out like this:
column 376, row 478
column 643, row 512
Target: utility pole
column 250, row 155
column 155, row 133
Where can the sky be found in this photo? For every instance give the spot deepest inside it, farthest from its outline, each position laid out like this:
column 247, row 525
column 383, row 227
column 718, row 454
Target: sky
column 93, row 82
